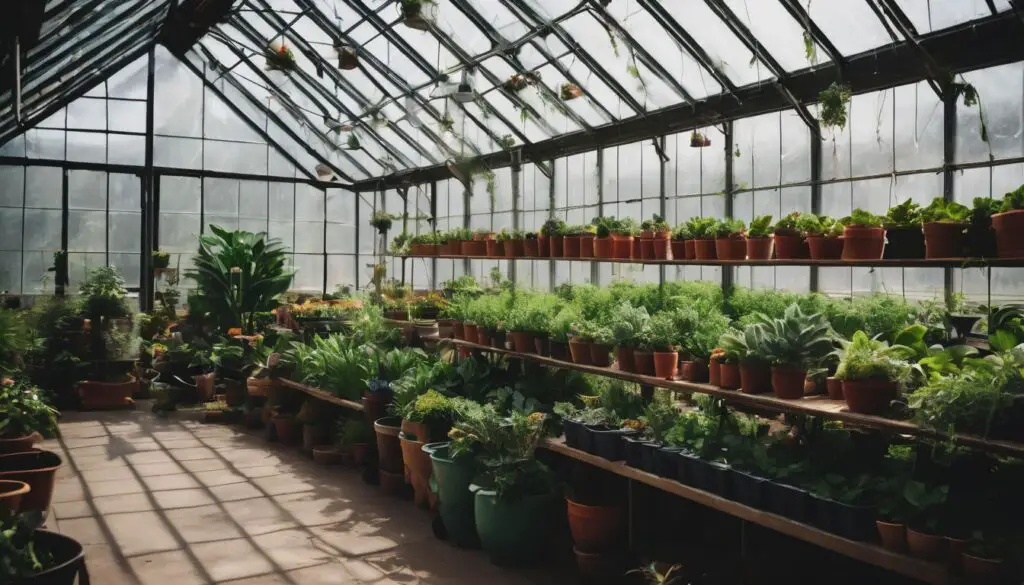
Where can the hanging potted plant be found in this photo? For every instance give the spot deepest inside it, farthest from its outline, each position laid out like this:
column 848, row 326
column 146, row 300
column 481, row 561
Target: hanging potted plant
column 863, row 236
column 823, row 237
column 748, row 347
column 945, row 229
column 569, row 91
column 790, row 242
column 682, row 242
column 348, row 59
column 279, row 57
column 834, row 101
column 871, row 373
column 759, row 241
column 418, row 14
column 382, row 221
column 520, row 81
column 699, row 140
column 793, row 344
column 903, row 232
column 731, row 240
column 664, row 339
column 161, row 260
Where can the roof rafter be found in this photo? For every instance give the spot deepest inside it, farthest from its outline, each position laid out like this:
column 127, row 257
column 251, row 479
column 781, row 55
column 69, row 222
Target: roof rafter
column 905, row 26
column 811, row 28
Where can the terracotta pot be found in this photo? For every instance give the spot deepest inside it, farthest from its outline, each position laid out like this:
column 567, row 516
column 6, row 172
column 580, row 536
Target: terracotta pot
column 359, row 453
column 540, row 345
column 646, row 249
column 392, row 483
column 446, row 328
column 287, row 429
column 903, row 243
column 17, row 444
column 945, row 240
column 1009, row 228
column 788, row 382
column 313, row 436
column 389, row 448
column 555, row 246
column 543, row 246
column 11, row 494
column 418, row 462
column 327, row 455
column 260, row 386
column 663, row 249
column 424, row 250
column 636, row 249
column 679, row 249
column 869, row 396
column 483, row 336
column 643, row 361
column 705, row 249
column 530, row 248
column 834, row 387
column 730, row 376
column 863, row 243
column 559, row 350
column 759, row 248
column 416, row 430
column 714, row 372
column 596, row 529
column 509, row 248
column 580, row 351
column 469, row 332
column 980, row 571
column 38, row 469
column 825, row 248
column 458, row 330
column 697, row 371
column 666, row 364
column 427, row 330
column 474, row 248
column 494, row 249
column 690, row 249
column 600, row 354
column 791, row 247
column 106, row 395
column 926, row 546
column 731, row 248
column 587, row 246
column 624, row 357
column 375, row 405
column 955, row 549
column 604, row 247
column 571, row 247
column 755, row 378
column 894, row 536
column 522, row 341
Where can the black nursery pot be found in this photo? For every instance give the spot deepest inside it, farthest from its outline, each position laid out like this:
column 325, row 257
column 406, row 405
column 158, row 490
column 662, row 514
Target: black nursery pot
column 634, row 450
column 649, row 454
column 854, row 522
column 786, row 500
column 572, row 430
column 608, row 443
column 711, row 476
column 665, row 462
column 904, row 243
column 823, row 513
column 981, row 241
column 68, row 560
column 748, row 489
column 498, row 339
column 688, row 467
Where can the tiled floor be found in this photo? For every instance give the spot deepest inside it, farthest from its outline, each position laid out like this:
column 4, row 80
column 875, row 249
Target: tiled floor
column 175, row 502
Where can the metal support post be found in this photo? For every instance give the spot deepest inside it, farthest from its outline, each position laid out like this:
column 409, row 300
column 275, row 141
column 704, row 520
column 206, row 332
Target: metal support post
column 517, row 191
column 727, row 271
column 815, row 192
column 663, row 204
column 948, row 159
column 595, row 267
column 552, row 274
column 148, row 194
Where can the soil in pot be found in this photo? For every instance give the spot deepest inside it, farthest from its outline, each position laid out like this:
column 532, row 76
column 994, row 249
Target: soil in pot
column 522, row 341
column 587, row 246
column 759, row 248
column 705, row 250
column 791, row 247
column 981, row 571
column 559, row 350
column 624, row 359
column 756, row 378
column 455, row 501
column 35, row 468
column 893, row 536
column 945, row 240
column 731, row 248
column 730, row 376
column 863, row 243
column 513, row 531
column 788, row 501
column 16, row 444
column 604, row 247
column 644, row 362
column 904, row 243
column 555, row 248
column 11, row 494
column 834, row 386
column 600, row 354
column 825, row 248
column 580, row 351
column 570, row 247
column 922, row 545
column 389, row 448
column 666, row 364
column 869, row 396
column 1009, row 229
column 788, row 382
column 596, row 529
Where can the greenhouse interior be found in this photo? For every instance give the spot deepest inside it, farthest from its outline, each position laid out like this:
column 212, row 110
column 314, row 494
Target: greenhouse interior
column 699, row 292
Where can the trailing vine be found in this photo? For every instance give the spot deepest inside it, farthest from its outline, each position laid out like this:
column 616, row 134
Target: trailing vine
column 834, row 101
column 971, row 98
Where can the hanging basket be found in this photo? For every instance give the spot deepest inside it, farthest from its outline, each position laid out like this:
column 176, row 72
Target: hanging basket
column 699, row 140
column 347, row 57
column 570, row 91
column 419, row 14
column 279, row 57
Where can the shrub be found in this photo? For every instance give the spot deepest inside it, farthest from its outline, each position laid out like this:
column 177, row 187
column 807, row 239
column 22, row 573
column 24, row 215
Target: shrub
column 760, row 227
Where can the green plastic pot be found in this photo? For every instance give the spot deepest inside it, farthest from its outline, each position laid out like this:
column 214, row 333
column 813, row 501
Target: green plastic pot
column 513, row 532
column 455, row 502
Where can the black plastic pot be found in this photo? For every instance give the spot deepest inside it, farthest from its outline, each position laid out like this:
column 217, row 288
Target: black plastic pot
column 498, row 339
column 748, row 489
column 822, row 514
column 712, row 476
column 665, row 462
column 586, row 439
column 688, row 466
column 981, row 241
column 572, row 430
column 649, row 455
column 634, row 451
column 904, row 243
column 608, row 443
column 852, row 522
column 963, row 323
column 68, row 559
column 786, row 500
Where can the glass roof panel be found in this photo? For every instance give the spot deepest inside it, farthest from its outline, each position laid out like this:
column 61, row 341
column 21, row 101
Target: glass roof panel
column 933, row 15
column 777, row 31
column 854, row 29
column 725, row 50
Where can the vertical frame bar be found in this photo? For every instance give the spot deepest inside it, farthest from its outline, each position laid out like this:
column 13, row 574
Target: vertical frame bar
column 433, row 227
column 595, row 267
column 948, row 159
column 148, row 221
column 64, row 219
column 517, row 192
column 815, row 192
column 552, row 271
column 727, row 271
column 662, row 199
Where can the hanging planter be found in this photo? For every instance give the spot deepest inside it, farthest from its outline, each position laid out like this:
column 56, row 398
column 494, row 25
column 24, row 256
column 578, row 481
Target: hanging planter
column 520, row 81
column 419, row 14
column 699, row 140
column 347, row 57
column 352, row 143
column 570, row 91
column 279, row 57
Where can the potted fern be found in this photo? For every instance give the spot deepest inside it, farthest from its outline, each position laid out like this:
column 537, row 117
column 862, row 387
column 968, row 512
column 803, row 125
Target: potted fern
column 945, row 229
column 903, row 231
column 759, row 241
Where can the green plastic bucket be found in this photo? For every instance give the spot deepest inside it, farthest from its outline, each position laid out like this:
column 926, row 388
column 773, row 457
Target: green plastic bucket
column 455, row 502
column 513, row 532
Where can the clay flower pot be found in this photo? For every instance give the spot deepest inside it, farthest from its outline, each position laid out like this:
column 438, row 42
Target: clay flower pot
column 926, row 546
column 646, row 247
column 636, row 251
column 543, row 246
column 643, row 361
column 587, row 246
column 731, row 248
column 604, row 247
column 623, row 246
column 559, row 350
column 834, row 387
column 690, row 249
column 981, row 571
column 38, row 469
column 678, row 249
column 106, row 395
column 705, row 249
column 695, row 371
column 415, row 430
column 287, row 429
column 825, row 248
column 759, row 248
column 1009, row 228
column 530, row 249
column 494, row 249
column 756, row 378
column 893, row 536
column 419, row 466
column 540, row 345
column 788, row 382
column 16, row 444
column 522, row 341
column 580, row 351
column 624, row 357
column 944, row 239
column 714, row 372
column 483, row 336
column 570, row 247
column 662, row 248
column 11, row 494
column 327, row 455
column 791, row 247
column 474, row 248
column 730, row 376
column 596, row 529
column 869, row 396
column 389, row 448
column 863, row 243
column 666, row 364
column 469, row 332
column 555, row 246
column 600, row 354
column 509, row 248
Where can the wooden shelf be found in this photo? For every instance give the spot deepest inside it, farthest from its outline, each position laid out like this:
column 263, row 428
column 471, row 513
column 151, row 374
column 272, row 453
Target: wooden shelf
column 861, row 551
column 321, row 395
column 915, row 263
column 812, row 405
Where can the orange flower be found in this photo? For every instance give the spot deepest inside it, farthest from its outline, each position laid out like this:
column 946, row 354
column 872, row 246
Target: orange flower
column 234, row 331
column 8, row 381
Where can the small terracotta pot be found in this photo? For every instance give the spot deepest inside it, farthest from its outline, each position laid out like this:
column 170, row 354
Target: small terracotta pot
column 690, row 249
column 559, row 351
column 327, row 455
column 678, row 249
column 17, row 444
column 788, row 382
column 596, row 529
column 494, row 249
column 389, row 448
column 1009, row 228
column 666, row 364
column 571, row 247
column 623, row 246
column 458, row 330
column 643, row 361
column 287, row 429
column 555, row 246
column 893, row 536
column 869, row 396
column 980, row 571
column 759, row 248
column 926, row 546
column 755, row 378
column 540, row 344
column 587, row 246
column 604, row 247
column 714, row 372
column 483, row 336
column 636, row 251
column 705, row 249
column 834, row 386
column 11, row 494
column 543, row 246
column 469, row 332
column 600, row 354
column 825, row 248
column 508, row 248
column 646, row 249
column 474, row 248
column 530, row 248
column 863, row 243
column 730, row 376
column 624, row 357
column 945, row 240
column 791, row 247
column 662, row 248
column 697, row 371
column 580, row 351
column 522, row 341
column 731, row 248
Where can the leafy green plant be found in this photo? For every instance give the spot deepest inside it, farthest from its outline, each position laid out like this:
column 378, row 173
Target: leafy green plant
column 1013, row 200
column 702, row 228
column 945, row 211
column 925, row 504
column 663, row 333
column 797, row 339
column 629, row 325
column 553, row 227
column 760, row 227
column 834, row 101
column 23, row 411
column 972, row 401
column 20, row 559
column 903, row 216
column 789, row 225
column 730, row 228
column 682, row 232
column 16, row 339
column 561, row 326
column 382, row 221
column 656, row 224
column 745, row 345
column 104, row 292
column 861, row 218
column 863, row 358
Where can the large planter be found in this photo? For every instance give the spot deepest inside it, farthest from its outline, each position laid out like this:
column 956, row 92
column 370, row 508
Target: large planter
column 415, row 430
column 16, row 444
column 666, row 364
column 543, row 246
column 555, row 246
column 522, row 341
column 624, row 358
column 755, row 378
column 905, row 243
column 38, row 469
column 530, row 248
column 604, row 248
column 788, row 501
column 474, row 248
column 606, row 441
column 600, row 354
column 748, row 489
column 389, row 447
column 788, row 382
column 622, row 246
column 11, row 494
column 690, row 249
column 327, row 455
column 981, row 571
column 570, row 247
column 596, row 529
column 863, row 243
column 206, row 386
column 730, row 376
column 759, row 248
column 513, row 531
column 587, row 246
column 945, row 240
column 731, row 248
column 825, row 247
column 68, row 560
column 494, row 249
column 580, row 351
column 106, row 395
column 454, row 500
column 288, row 429
column 1009, row 228
column 644, row 362
column 869, row 396
column 418, row 463
column 705, row 249
column 791, row 247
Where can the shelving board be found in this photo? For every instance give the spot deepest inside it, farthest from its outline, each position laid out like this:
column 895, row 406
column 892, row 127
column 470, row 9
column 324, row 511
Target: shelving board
column 321, row 395
column 911, row 263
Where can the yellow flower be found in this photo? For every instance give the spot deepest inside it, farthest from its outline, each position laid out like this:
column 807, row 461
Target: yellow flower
column 536, row 417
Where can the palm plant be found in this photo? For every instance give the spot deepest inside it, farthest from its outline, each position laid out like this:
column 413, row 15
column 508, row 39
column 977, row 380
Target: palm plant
column 239, row 274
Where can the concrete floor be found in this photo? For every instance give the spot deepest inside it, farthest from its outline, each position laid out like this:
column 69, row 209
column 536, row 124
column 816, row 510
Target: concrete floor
column 176, row 502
